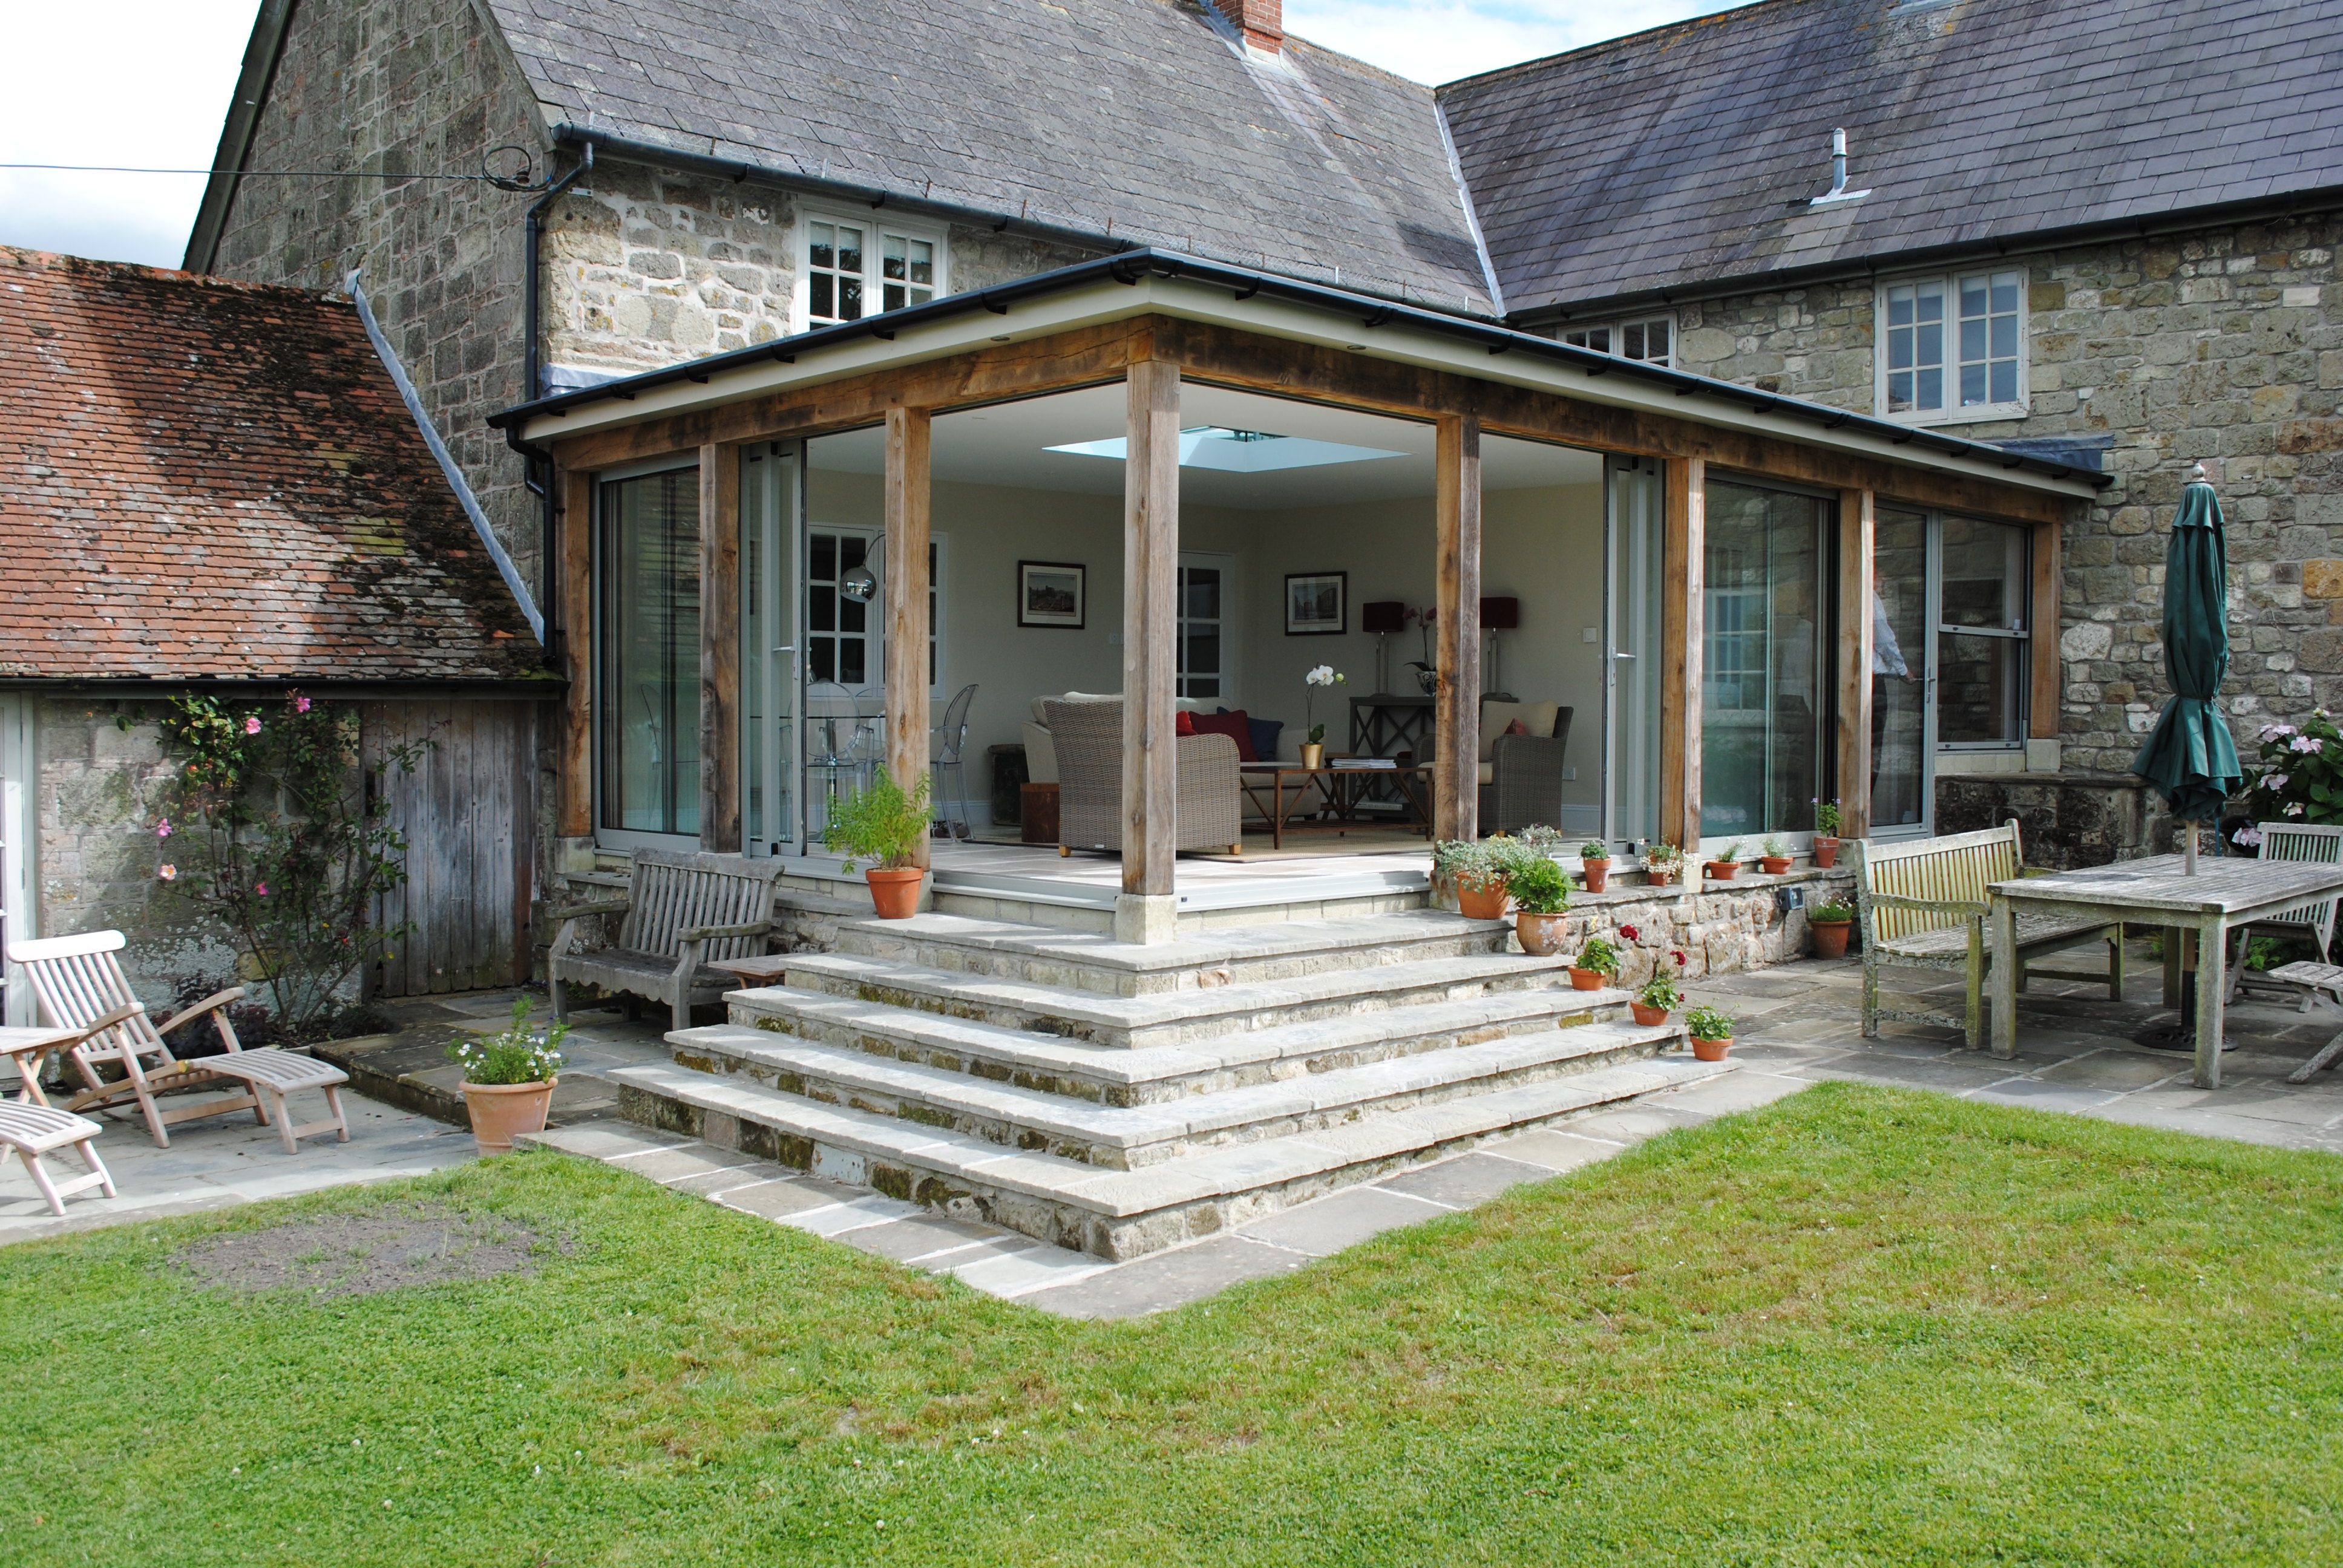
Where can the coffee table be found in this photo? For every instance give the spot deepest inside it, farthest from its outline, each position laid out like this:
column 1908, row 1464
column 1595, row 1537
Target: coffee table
column 1333, row 796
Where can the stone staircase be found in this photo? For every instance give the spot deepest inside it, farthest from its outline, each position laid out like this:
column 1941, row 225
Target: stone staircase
column 1121, row 1099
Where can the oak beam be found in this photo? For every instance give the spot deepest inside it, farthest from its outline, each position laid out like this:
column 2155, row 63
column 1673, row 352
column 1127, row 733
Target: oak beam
column 2047, row 683
column 1858, row 544
column 575, row 556
column 1682, row 610
column 720, row 650
column 904, row 578
column 1456, row 629
column 1151, row 556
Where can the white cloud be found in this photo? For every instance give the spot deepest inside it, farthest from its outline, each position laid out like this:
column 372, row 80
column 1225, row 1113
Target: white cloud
column 144, row 84
column 1441, row 40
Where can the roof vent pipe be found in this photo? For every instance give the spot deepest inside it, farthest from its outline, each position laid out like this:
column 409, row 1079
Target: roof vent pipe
column 1838, row 191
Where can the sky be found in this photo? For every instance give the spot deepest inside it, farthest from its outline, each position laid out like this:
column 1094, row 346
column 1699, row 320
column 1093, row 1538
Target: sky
column 145, row 84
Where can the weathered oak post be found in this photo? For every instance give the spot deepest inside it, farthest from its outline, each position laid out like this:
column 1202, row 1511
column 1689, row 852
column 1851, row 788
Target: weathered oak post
column 720, row 648
column 1683, row 549
column 1858, row 544
column 904, row 592
column 1456, row 631
column 1147, row 910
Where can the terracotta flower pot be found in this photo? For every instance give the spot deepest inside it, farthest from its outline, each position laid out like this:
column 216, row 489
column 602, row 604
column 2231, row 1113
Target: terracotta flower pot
column 1660, row 876
column 1721, row 870
column 1541, row 935
column 1830, row 938
column 1481, row 900
column 1598, row 874
column 501, row 1110
column 1773, row 865
column 1646, row 1016
column 1711, row 1050
column 1585, row 980
column 894, row 894
column 1825, row 853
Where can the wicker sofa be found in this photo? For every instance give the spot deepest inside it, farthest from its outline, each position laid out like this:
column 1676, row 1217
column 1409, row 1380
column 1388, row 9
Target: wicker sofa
column 1087, row 738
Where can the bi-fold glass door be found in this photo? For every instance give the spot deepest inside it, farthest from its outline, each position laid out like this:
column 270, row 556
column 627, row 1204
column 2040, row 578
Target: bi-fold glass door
column 1631, row 649
column 772, row 647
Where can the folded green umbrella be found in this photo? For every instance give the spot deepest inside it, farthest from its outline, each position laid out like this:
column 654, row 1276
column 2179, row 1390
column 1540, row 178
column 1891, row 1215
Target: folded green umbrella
column 2189, row 756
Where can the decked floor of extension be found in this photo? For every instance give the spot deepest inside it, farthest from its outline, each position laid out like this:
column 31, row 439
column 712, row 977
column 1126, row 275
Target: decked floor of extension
column 1119, row 1099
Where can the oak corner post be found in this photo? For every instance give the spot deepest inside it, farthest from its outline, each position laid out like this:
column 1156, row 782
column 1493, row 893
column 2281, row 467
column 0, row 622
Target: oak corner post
column 1857, row 549
column 575, row 808
column 1456, row 569
column 1150, row 554
column 720, row 650
column 904, row 577
column 1684, row 551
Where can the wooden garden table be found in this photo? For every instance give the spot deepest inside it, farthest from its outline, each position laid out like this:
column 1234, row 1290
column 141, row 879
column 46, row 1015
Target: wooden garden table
column 2224, row 894
column 26, row 1048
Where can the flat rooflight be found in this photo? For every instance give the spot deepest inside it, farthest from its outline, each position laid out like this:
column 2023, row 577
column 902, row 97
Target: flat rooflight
column 1240, row 451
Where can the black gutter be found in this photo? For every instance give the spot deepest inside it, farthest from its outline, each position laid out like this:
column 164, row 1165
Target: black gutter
column 740, row 172
column 1244, row 283
column 1873, row 265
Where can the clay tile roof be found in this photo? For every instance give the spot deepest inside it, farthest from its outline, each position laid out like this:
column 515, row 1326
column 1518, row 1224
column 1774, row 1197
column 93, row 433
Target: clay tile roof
column 206, row 478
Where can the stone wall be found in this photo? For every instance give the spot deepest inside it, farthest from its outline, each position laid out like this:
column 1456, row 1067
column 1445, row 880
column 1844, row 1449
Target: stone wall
column 2065, row 820
column 415, row 87
column 2225, row 345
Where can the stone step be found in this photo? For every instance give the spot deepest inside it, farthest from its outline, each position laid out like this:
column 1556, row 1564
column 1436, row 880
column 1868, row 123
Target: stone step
column 1171, row 1018
column 1114, row 1213
column 1130, row 1137
column 1043, row 955
column 1054, row 1064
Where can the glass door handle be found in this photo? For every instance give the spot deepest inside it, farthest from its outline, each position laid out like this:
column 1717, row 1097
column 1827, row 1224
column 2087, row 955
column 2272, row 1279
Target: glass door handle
column 1623, row 656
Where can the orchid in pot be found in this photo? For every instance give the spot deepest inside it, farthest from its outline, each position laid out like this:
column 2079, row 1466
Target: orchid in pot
column 1324, row 677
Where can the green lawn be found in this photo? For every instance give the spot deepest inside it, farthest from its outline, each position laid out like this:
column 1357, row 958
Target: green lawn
column 1861, row 1325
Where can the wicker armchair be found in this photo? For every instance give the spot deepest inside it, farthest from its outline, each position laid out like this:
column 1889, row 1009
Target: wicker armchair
column 1088, row 736
column 1520, row 784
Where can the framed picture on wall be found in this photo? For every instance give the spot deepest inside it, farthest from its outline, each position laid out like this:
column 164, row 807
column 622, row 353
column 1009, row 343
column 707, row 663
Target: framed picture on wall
column 1316, row 603
column 1050, row 593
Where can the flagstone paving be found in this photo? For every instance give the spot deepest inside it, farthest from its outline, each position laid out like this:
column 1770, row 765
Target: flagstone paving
column 1798, row 1024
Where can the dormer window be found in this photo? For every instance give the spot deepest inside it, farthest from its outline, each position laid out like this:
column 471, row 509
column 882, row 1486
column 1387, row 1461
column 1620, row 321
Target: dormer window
column 1651, row 338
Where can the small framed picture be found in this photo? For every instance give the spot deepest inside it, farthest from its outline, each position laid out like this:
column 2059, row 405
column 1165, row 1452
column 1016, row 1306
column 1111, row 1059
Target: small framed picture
column 1050, row 593
column 1316, row 603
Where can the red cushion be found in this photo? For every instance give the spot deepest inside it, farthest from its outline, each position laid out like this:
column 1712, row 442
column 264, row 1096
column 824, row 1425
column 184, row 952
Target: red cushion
column 1186, row 724
column 1232, row 725
column 1517, row 728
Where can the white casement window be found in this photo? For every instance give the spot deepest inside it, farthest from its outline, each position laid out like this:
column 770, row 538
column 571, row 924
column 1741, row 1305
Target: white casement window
column 1953, row 349
column 1207, row 669
column 1652, row 340
column 854, row 268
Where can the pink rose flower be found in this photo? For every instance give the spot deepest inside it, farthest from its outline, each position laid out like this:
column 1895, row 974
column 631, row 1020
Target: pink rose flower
column 252, row 726
column 169, row 872
column 163, row 828
column 262, row 890
column 300, row 705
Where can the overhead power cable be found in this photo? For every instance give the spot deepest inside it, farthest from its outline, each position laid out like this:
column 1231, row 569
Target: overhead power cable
column 524, row 180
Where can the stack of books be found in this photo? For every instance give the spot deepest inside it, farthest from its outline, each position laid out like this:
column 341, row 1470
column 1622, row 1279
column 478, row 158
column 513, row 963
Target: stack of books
column 1342, row 762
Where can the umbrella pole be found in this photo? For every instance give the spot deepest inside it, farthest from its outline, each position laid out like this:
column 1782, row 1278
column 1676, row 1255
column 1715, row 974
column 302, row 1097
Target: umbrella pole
column 2189, row 862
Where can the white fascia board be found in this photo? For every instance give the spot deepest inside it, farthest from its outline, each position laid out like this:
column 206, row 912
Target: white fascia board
column 1400, row 341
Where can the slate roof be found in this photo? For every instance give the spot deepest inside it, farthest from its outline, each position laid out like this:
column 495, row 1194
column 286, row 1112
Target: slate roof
column 207, row 478
column 1686, row 153
column 1128, row 119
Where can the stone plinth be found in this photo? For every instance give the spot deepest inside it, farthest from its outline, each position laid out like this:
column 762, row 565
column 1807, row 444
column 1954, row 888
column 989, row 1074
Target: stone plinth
column 2067, row 819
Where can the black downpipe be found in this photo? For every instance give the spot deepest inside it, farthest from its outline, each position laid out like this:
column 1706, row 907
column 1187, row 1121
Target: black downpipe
column 537, row 466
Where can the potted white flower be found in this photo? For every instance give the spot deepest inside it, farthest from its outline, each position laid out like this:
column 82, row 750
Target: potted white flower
column 509, row 1079
column 1313, row 750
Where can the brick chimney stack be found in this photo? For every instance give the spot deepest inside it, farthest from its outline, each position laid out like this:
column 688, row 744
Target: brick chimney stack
column 1261, row 22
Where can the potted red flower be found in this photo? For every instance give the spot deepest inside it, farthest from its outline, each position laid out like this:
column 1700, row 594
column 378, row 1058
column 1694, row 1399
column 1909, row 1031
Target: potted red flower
column 1598, row 960
column 1711, row 1031
column 1661, row 995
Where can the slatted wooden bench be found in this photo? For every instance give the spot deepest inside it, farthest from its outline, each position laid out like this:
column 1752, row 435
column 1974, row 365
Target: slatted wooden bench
column 1922, row 902
column 685, row 912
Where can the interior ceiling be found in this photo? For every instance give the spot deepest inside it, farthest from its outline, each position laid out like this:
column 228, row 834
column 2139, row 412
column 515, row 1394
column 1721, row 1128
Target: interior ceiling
column 1007, row 445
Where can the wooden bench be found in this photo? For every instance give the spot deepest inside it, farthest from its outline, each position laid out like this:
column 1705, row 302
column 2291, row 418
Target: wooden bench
column 684, row 912
column 1922, row 902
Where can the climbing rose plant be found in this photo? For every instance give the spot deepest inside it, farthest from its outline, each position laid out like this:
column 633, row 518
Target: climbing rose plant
column 2299, row 777
column 275, row 830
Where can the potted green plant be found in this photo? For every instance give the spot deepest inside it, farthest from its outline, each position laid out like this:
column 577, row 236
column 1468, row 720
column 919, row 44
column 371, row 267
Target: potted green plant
column 509, row 1079
column 1313, row 750
column 1831, row 923
column 1662, row 864
column 1595, row 860
column 885, row 824
column 1726, row 865
column 1662, row 994
column 1477, row 871
column 1775, row 859
column 1598, row 960
column 1826, row 821
column 1541, row 893
column 1711, row 1031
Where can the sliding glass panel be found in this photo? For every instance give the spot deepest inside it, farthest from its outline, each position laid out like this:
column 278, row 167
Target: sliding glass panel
column 1635, row 583
column 1762, row 692
column 768, row 651
column 649, row 698
column 1984, row 574
column 1899, row 636
column 1977, row 699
